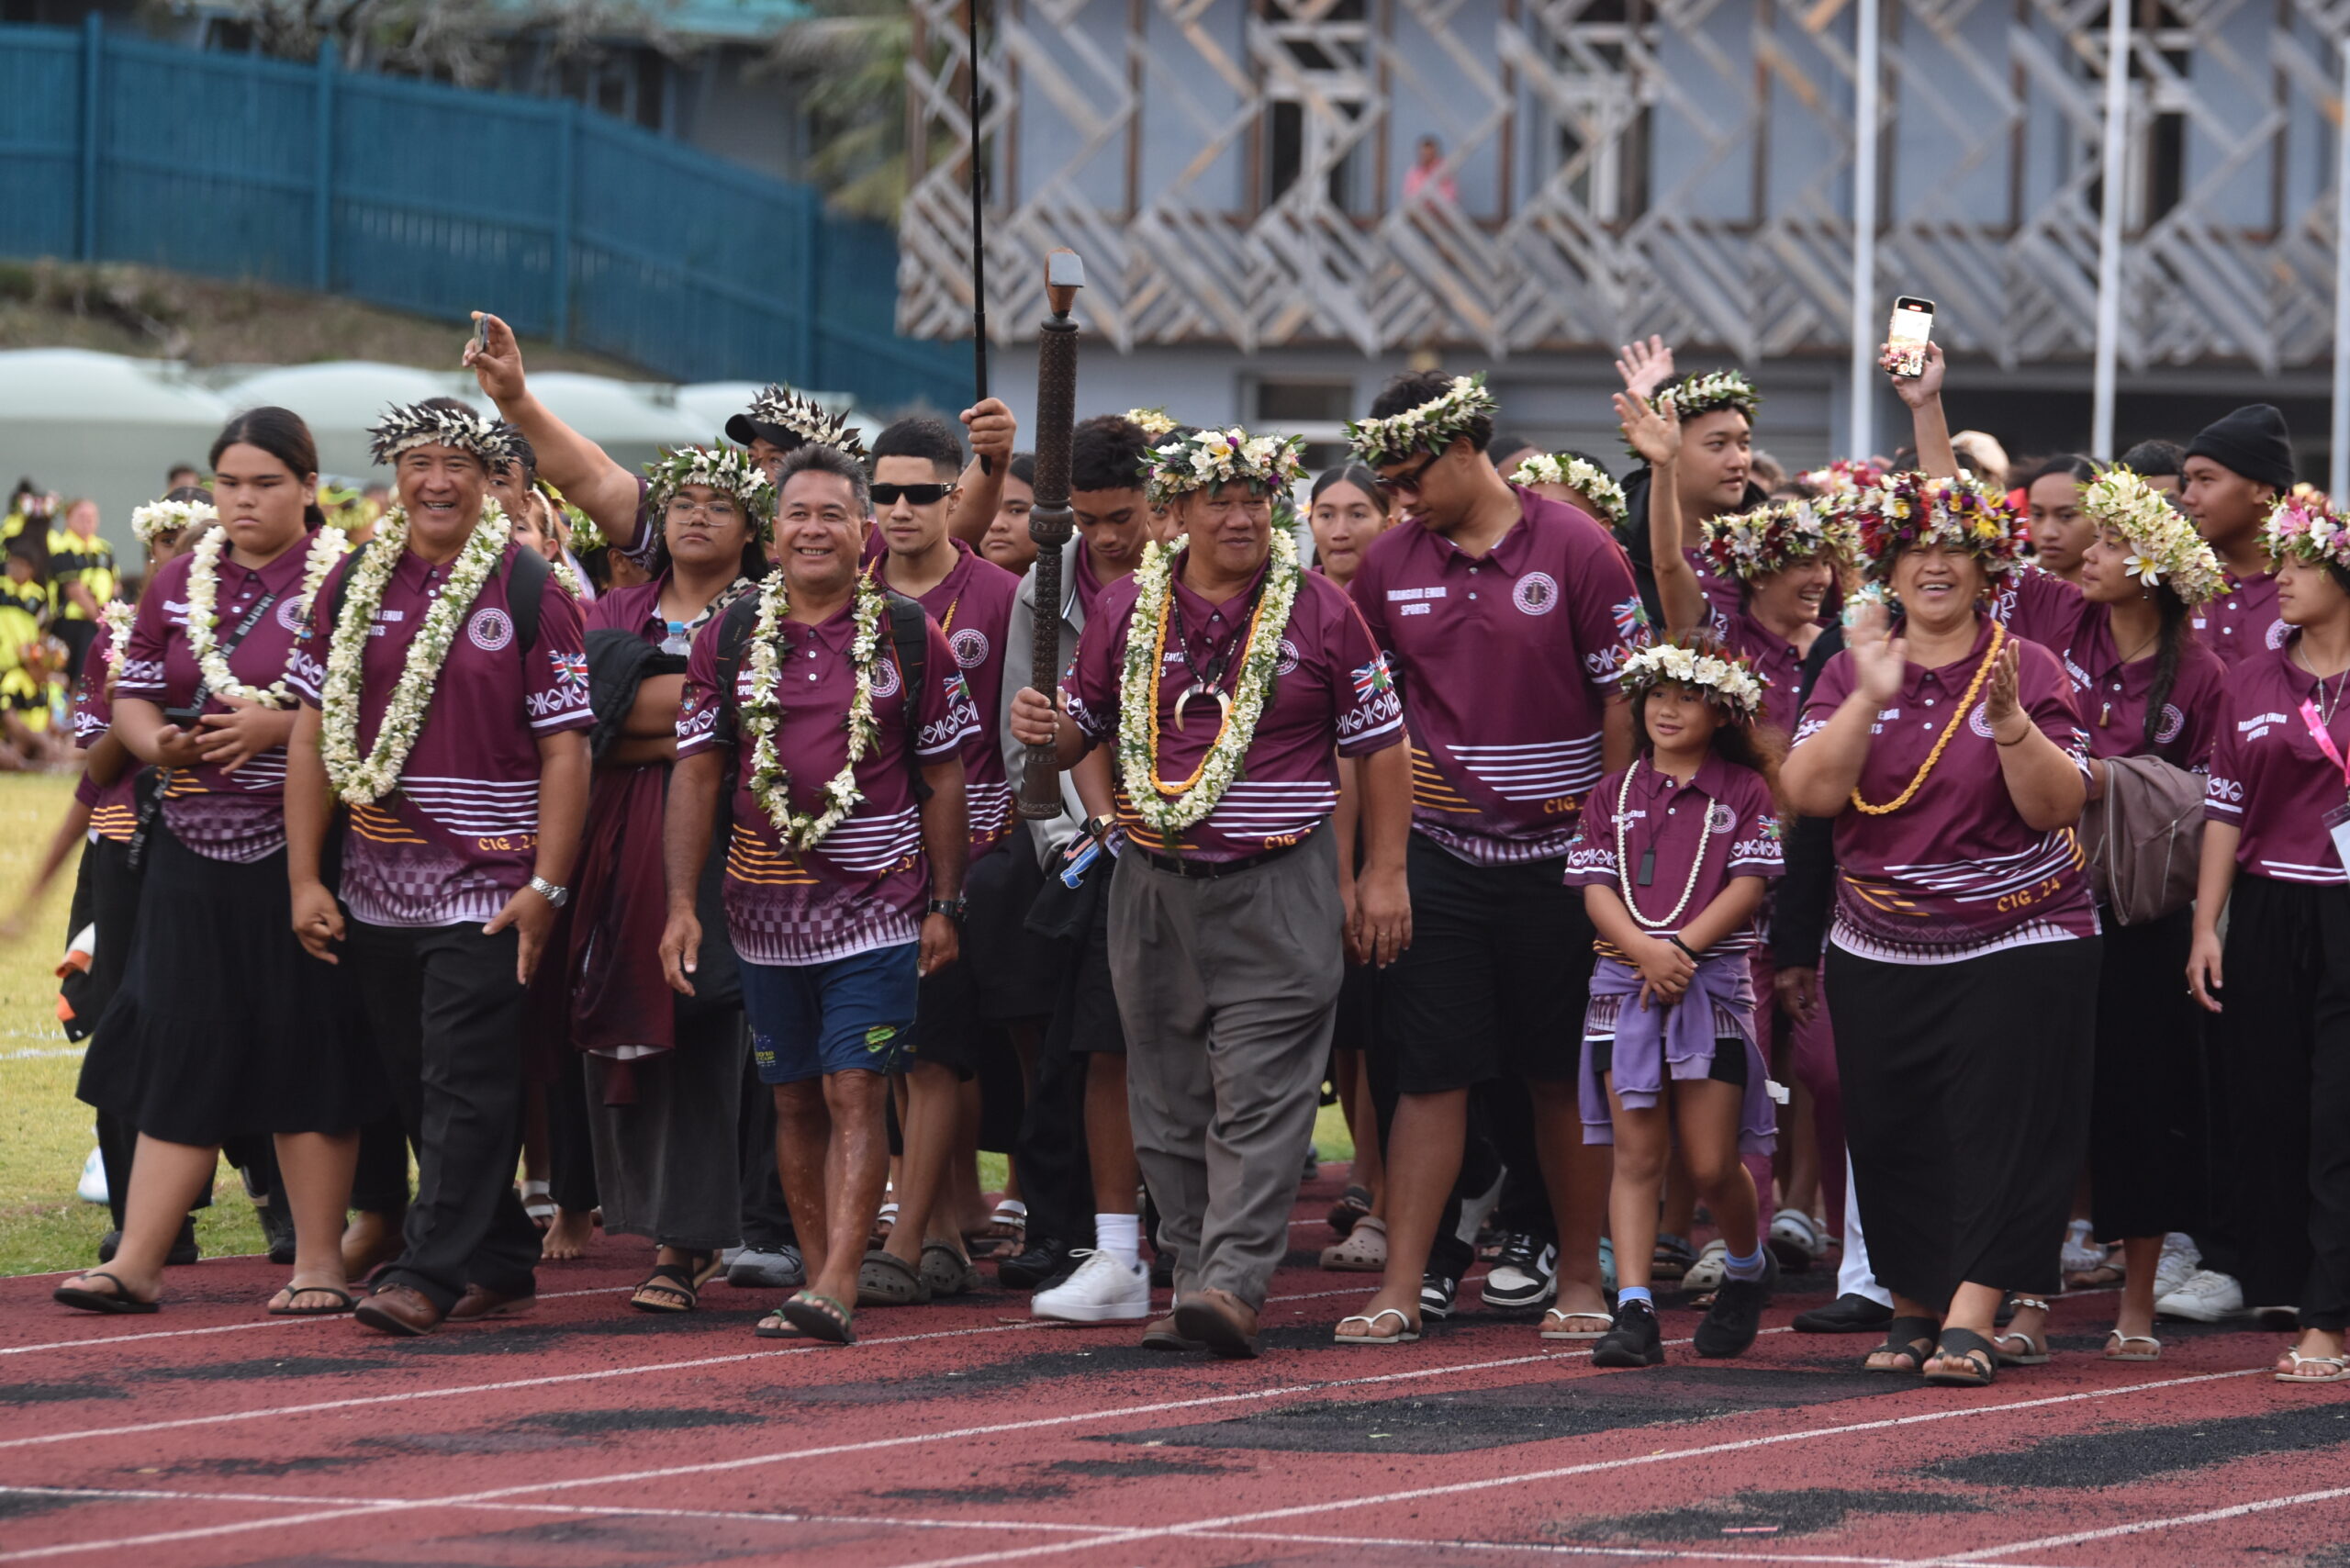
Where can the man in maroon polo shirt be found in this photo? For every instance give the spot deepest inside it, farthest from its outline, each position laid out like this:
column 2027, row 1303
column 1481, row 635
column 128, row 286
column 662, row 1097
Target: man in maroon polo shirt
column 465, row 813
column 1509, row 618
column 835, row 922
column 915, row 465
column 1225, row 923
column 2235, row 469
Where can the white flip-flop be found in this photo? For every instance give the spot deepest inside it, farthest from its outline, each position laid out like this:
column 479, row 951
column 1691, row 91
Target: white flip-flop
column 2117, row 1347
column 1371, row 1326
column 2337, row 1368
column 1605, row 1322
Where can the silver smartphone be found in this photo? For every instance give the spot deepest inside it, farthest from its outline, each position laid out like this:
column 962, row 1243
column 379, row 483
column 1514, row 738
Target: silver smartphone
column 1912, row 329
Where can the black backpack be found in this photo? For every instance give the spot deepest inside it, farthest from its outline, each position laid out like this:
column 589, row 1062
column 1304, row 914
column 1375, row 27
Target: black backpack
column 908, row 641
column 525, row 591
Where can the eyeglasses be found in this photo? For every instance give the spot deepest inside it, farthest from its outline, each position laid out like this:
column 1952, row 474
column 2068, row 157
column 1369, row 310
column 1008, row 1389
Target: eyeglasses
column 717, row 511
column 1408, row 484
column 920, row 494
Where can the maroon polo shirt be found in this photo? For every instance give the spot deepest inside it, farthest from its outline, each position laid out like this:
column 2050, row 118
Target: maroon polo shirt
column 2039, row 607
column 1956, row 872
column 1725, row 808
column 459, row 837
column 972, row 606
column 2269, row 775
column 1779, row 664
column 1088, row 586
column 1725, row 596
column 634, row 609
column 1507, row 661
column 2243, row 623
column 864, row 885
column 2111, row 696
column 1332, row 687
column 235, row 816
column 114, row 809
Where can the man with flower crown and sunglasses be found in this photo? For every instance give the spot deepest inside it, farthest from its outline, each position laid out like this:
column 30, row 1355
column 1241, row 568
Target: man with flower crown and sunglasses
column 1228, row 682
column 445, row 705
column 1509, row 618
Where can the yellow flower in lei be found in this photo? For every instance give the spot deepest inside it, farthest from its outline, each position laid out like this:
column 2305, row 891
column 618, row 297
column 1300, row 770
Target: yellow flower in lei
column 1165, row 808
column 363, row 780
column 204, row 614
column 763, row 715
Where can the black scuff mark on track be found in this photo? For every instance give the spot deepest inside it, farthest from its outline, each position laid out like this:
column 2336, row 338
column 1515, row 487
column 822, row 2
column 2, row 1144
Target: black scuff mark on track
column 265, row 1370
column 16, row 1505
column 57, row 1393
column 1029, row 1492
column 1072, row 1358
column 235, row 1466
column 1751, row 1515
column 638, row 1418
column 1140, row 1469
column 2127, row 1453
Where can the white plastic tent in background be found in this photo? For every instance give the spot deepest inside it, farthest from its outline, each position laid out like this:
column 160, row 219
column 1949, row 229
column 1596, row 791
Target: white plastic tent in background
column 340, row 400
column 101, row 425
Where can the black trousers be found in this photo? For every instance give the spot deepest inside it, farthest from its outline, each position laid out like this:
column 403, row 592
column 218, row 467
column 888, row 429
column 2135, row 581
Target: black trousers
column 571, row 1151
column 2284, row 1042
column 2147, row 1174
column 766, row 1218
column 1055, row 1171
column 1966, row 1093
column 448, row 1018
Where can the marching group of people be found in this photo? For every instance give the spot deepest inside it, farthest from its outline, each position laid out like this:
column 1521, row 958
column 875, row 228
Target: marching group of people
column 1870, row 859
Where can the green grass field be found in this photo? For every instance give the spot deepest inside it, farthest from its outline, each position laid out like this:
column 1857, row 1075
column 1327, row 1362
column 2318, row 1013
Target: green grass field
column 45, row 1133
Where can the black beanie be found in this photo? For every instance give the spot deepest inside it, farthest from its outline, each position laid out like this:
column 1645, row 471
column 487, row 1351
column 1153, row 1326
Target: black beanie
column 2253, row 442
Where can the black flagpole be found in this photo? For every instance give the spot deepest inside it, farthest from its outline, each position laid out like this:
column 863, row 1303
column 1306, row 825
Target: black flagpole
column 978, row 221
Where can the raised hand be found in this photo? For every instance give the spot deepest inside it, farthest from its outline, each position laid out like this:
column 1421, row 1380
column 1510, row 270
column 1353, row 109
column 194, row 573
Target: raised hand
column 1654, row 430
column 2001, row 701
column 1917, row 390
column 496, row 364
column 1645, row 367
column 1879, row 658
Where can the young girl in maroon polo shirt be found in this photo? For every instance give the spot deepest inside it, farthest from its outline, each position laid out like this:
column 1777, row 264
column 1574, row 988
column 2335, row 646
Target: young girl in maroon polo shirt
column 1673, row 855
column 2278, row 988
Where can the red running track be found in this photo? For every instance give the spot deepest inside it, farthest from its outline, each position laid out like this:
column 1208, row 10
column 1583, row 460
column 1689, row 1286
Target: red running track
column 589, row 1436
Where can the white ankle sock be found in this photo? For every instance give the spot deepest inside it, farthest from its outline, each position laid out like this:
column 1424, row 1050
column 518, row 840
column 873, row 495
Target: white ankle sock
column 1120, row 1236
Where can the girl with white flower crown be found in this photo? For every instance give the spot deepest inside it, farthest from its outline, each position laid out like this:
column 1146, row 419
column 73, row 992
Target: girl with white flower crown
column 222, row 1027
column 2275, row 845
column 445, row 701
column 1673, row 855
column 2152, row 695
column 1227, row 924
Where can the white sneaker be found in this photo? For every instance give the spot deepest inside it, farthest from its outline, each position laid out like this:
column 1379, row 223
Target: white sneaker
column 92, row 1188
column 2080, row 1253
column 1101, row 1291
column 1711, row 1267
column 2206, row 1297
column 2176, row 1265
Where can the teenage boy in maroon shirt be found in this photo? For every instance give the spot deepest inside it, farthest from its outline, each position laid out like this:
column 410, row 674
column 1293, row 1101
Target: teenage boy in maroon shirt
column 451, row 882
column 832, row 940
column 915, row 465
column 1508, row 620
column 2235, row 469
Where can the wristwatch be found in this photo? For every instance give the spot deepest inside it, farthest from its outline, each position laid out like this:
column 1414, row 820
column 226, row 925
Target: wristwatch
column 1098, row 827
column 951, row 908
column 556, row 896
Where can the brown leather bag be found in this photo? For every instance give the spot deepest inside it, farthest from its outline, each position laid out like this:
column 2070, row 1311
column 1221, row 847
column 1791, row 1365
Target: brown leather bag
column 2143, row 838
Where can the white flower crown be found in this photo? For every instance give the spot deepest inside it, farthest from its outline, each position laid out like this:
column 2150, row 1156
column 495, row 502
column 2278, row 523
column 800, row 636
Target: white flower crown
column 1697, row 394
column 406, row 426
column 1152, row 423
column 1729, row 682
column 1430, row 427
column 1585, row 477
column 1207, row 458
column 157, row 519
column 807, row 419
column 2164, row 544
column 726, row 468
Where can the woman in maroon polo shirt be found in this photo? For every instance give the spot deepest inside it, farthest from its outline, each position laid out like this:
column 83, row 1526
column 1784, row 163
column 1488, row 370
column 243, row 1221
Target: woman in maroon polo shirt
column 1961, row 965
column 2274, row 849
column 2148, row 689
column 222, row 1027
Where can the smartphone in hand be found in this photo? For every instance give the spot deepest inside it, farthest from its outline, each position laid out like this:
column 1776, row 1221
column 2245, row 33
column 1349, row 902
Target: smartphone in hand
column 1912, row 329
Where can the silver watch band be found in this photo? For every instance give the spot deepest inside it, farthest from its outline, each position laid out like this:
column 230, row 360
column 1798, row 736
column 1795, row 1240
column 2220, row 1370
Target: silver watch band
column 554, row 895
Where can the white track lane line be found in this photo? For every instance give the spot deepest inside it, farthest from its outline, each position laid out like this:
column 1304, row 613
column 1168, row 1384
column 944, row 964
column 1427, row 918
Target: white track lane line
column 1459, row 1488
column 2140, row 1526
column 103, row 1339
column 1555, row 1548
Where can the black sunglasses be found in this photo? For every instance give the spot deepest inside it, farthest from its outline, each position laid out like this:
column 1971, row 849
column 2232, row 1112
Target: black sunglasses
column 920, row 495
column 1410, row 482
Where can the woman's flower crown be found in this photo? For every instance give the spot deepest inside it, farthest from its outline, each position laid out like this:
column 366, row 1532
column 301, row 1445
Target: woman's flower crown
column 1843, row 474
column 725, row 468
column 1703, row 393
column 1430, row 427
column 1911, row 510
column 1729, row 682
column 1152, row 423
column 807, row 419
column 406, row 426
column 1752, row 545
column 2307, row 528
column 1582, row 476
column 157, row 519
column 1204, row 459
column 2164, row 545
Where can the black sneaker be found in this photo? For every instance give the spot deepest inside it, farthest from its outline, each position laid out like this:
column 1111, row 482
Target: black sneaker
column 1035, row 1266
column 1735, row 1316
column 1845, row 1315
column 1525, row 1273
column 1437, row 1293
column 1634, row 1341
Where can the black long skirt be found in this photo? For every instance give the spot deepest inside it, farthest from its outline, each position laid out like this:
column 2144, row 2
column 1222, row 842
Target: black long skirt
column 1966, row 1093
column 223, row 1025
column 2147, row 1172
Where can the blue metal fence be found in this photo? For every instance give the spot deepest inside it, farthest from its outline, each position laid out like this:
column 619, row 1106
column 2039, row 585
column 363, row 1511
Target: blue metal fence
column 570, row 223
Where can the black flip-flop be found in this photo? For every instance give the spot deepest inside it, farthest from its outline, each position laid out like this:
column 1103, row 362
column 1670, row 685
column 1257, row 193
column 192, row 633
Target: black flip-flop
column 820, row 1317
column 683, row 1281
column 1902, row 1338
column 1963, row 1344
column 119, row 1301
column 343, row 1302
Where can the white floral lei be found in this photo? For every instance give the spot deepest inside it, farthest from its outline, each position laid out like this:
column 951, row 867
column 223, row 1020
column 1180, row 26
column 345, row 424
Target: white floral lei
column 204, row 614
column 116, row 614
column 1152, row 423
column 2163, row 542
column 762, row 715
column 1586, row 479
column 1430, row 427
column 363, row 780
column 156, row 519
column 1169, row 808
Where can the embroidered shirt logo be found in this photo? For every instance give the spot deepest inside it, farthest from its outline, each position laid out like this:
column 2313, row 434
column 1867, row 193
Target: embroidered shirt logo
column 489, row 630
column 1537, row 593
column 971, row 646
column 294, row 614
column 885, row 678
column 570, row 669
column 1286, row 657
column 1979, row 721
column 1719, row 818
column 2173, row 724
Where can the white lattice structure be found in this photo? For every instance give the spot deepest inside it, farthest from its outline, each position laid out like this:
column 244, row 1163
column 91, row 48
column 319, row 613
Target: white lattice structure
column 1232, row 172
